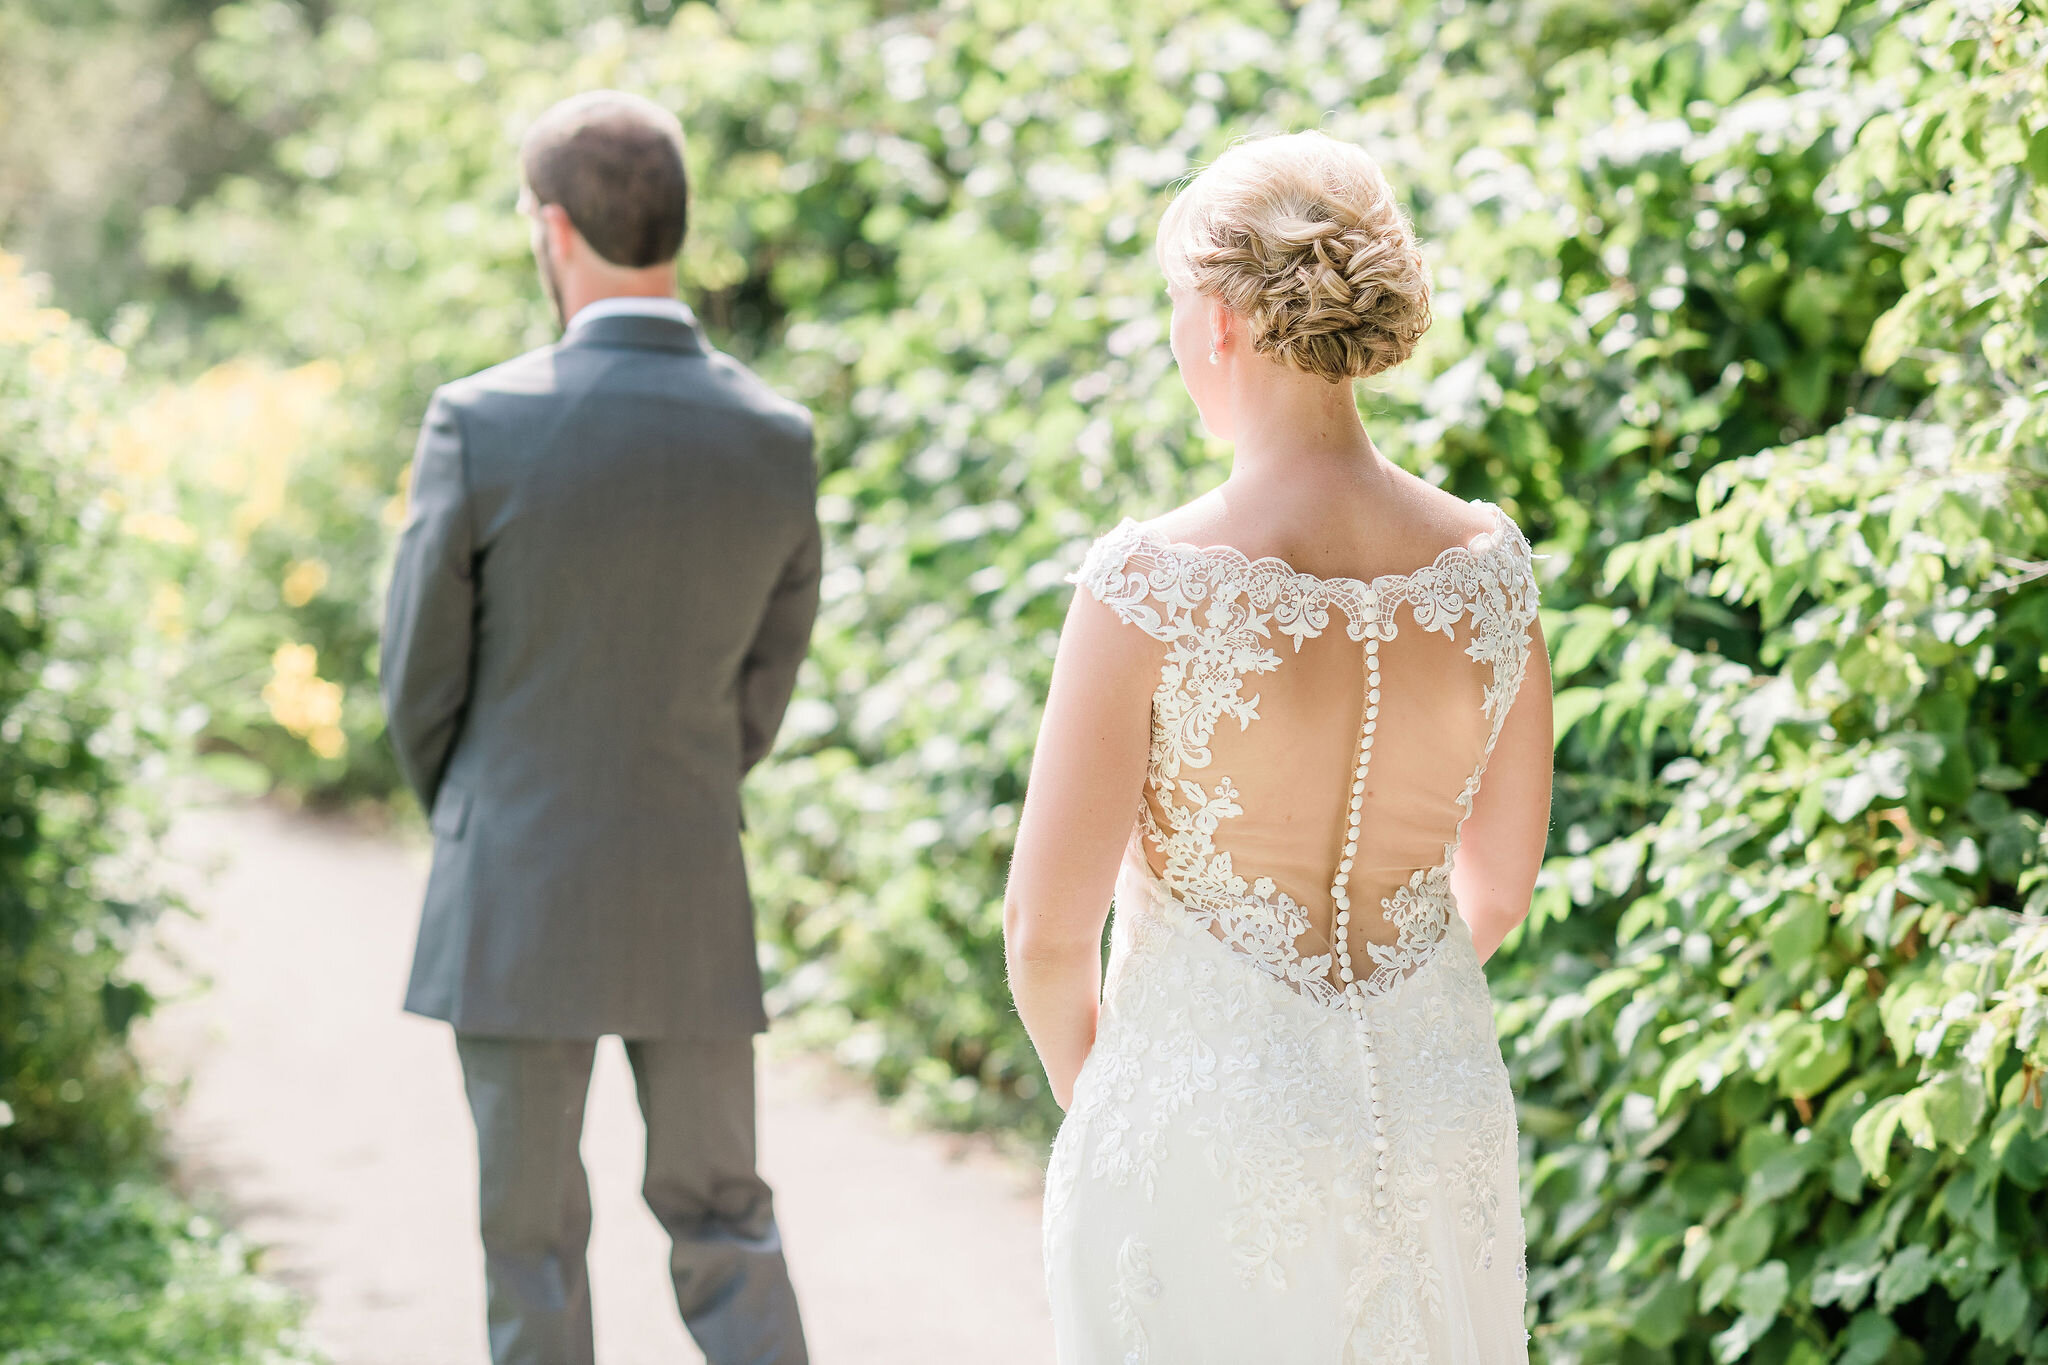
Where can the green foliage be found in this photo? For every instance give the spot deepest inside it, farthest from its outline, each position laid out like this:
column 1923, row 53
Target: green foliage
column 92, row 1271
column 1786, row 1061
column 1737, row 314
column 75, row 722
column 241, row 503
column 101, row 120
column 99, row 1261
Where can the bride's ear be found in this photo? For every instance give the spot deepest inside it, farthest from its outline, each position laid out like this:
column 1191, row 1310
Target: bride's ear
column 1224, row 328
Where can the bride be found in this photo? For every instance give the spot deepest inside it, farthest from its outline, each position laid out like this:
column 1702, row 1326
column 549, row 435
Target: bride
column 1289, row 1135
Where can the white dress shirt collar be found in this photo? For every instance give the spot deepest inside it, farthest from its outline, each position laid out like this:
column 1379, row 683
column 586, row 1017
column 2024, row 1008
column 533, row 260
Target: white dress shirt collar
column 632, row 305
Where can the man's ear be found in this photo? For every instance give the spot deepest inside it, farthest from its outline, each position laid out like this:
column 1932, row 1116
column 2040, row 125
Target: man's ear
column 561, row 232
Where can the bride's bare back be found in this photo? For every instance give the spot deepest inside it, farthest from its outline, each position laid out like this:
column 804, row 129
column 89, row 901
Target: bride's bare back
column 1319, row 737
column 1291, row 647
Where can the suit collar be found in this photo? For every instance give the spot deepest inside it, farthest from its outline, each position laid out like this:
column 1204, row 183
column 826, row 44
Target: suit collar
column 639, row 331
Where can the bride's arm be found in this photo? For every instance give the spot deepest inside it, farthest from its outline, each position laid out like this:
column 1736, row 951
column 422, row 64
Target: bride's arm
column 1500, row 848
column 1087, row 778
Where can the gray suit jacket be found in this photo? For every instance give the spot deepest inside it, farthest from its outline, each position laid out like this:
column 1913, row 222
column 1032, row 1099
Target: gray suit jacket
column 601, row 597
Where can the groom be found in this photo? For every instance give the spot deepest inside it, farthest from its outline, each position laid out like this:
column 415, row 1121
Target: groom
column 601, row 597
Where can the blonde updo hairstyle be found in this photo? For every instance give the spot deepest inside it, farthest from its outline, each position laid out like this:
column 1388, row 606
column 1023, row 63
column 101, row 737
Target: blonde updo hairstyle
column 1300, row 235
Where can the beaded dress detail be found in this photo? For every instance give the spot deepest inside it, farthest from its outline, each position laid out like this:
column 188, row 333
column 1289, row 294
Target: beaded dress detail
column 1293, row 1139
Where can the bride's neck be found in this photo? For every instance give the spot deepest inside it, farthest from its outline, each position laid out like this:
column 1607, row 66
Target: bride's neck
column 1294, row 426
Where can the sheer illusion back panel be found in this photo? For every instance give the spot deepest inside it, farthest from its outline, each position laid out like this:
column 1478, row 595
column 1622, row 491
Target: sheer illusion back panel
column 1288, row 703
column 1285, row 810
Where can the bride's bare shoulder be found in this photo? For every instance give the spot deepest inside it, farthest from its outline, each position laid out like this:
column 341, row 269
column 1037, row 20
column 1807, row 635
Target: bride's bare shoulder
column 1200, row 522
column 1254, row 526
column 1395, row 527
column 1408, row 520
column 1442, row 516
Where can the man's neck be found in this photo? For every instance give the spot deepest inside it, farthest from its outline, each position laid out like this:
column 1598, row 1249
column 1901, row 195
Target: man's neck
column 655, row 282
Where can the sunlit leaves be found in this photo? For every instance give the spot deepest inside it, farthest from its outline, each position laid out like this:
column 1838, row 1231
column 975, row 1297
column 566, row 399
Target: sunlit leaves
column 82, row 713
column 1739, row 312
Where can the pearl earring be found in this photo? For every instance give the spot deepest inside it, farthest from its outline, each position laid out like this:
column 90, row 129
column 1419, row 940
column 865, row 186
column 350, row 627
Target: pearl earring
column 1214, row 359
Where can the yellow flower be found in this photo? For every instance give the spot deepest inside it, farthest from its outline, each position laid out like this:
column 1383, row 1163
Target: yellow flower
column 161, row 527
column 167, row 611
column 242, row 426
column 303, row 582
column 134, row 455
column 303, row 702
column 51, row 360
column 295, row 661
column 272, row 416
column 20, row 315
column 105, row 360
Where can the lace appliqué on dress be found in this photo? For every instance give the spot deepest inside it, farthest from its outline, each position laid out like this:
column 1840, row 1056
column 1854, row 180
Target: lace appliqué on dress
column 1242, row 1138
column 1219, row 612
column 1135, row 1286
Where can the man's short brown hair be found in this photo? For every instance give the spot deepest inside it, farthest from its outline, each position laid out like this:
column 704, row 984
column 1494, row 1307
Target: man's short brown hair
column 614, row 162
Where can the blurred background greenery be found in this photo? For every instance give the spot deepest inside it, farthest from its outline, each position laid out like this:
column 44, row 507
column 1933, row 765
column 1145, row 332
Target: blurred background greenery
column 1740, row 314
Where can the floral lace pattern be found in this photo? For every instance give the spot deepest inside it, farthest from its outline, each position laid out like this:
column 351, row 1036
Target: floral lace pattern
column 1135, row 1286
column 1216, row 610
column 1248, row 1170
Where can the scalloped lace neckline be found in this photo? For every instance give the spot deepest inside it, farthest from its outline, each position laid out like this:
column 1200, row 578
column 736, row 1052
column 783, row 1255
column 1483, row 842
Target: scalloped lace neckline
column 1481, row 543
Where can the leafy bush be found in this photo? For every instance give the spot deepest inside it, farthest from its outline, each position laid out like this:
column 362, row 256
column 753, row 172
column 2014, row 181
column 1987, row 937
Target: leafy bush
column 1784, row 1055
column 246, row 512
column 75, row 722
column 137, row 131
column 98, row 1259
column 1736, row 314
column 92, row 1270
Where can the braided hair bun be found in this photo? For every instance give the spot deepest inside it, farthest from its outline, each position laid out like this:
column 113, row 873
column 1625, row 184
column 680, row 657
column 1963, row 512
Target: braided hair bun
column 1301, row 236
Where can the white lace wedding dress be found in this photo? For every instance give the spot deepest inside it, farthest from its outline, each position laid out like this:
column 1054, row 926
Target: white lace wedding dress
column 1294, row 1140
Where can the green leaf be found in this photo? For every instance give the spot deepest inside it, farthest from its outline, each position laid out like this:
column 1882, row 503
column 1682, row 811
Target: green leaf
column 1955, row 1107
column 1905, row 1277
column 1660, row 1317
column 1571, row 705
column 1812, row 1056
column 2037, row 155
column 2025, row 1158
column 1797, row 932
column 1747, row 1236
column 1734, row 1343
column 1761, row 1292
column 1846, row 1282
column 2005, row 1305
column 1714, row 1289
column 1782, row 1173
column 1868, row 1339
column 1871, row 1138
column 1818, row 17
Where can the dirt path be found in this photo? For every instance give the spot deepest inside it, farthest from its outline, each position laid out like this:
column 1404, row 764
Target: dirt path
column 335, row 1127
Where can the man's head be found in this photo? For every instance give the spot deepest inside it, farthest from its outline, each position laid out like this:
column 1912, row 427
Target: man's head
column 605, row 187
